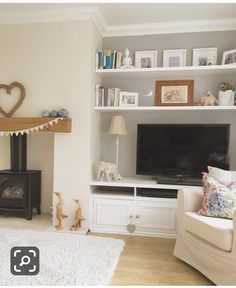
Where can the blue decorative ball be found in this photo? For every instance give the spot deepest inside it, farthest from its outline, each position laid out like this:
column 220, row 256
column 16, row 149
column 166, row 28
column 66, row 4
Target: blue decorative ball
column 54, row 114
column 45, row 113
column 63, row 113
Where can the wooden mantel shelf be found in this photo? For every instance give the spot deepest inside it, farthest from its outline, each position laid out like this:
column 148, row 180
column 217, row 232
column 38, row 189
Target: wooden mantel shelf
column 21, row 123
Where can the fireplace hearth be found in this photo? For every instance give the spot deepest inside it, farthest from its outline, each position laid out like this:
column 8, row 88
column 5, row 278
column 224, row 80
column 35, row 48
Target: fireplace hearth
column 20, row 189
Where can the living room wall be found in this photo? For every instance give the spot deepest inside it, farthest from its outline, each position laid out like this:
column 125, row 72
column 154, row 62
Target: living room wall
column 55, row 62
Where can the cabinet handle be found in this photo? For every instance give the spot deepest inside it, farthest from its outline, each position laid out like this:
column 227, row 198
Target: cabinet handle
column 138, row 216
column 131, row 216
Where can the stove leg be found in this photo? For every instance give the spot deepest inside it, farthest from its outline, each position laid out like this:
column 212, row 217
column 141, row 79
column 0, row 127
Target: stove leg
column 29, row 214
column 38, row 210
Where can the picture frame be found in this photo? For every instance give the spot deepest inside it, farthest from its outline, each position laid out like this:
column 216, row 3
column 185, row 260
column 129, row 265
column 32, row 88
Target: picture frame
column 146, row 59
column 205, row 56
column 174, row 58
column 174, row 93
column 229, row 57
column 128, row 98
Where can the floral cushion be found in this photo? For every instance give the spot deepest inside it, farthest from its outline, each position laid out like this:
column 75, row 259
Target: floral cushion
column 219, row 200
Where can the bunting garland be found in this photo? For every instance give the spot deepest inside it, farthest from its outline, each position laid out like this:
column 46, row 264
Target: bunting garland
column 32, row 129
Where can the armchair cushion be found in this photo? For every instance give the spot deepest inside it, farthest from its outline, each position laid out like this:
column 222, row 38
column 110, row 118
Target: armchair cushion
column 218, row 200
column 225, row 177
column 217, row 231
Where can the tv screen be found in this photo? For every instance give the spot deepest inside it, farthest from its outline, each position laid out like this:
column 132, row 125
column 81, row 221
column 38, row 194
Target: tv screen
column 181, row 149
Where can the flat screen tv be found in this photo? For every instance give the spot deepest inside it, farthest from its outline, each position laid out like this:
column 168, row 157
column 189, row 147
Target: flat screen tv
column 186, row 150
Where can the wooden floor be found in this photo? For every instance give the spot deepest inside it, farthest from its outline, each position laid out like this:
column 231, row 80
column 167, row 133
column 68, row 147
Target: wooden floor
column 150, row 261
column 144, row 260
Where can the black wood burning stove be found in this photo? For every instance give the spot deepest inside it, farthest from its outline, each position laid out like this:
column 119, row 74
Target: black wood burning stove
column 20, row 189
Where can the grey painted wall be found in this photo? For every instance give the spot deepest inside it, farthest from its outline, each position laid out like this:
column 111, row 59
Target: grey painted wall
column 225, row 40
column 222, row 40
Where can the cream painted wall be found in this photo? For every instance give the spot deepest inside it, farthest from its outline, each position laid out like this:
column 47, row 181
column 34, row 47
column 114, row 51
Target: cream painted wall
column 54, row 61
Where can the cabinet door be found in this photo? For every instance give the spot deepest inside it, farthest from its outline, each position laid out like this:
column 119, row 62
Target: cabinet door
column 111, row 215
column 158, row 216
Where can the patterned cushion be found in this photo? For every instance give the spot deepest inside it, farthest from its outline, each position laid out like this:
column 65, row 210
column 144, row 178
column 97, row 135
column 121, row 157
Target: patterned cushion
column 219, row 200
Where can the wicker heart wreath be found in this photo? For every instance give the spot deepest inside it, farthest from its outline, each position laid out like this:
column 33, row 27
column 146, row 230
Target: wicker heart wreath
column 8, row 89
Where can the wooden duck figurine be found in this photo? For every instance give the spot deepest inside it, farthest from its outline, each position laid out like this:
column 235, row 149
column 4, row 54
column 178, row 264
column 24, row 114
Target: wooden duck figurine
column 59, row 212
column 78, row 217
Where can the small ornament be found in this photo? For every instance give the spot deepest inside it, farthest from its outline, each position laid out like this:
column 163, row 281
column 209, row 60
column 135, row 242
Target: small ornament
column 78, row 217
column 45, row 113
column 131, row 228
column 206, row 100
column 59, row 212
column 53, row 114
column 63, row 113
column 127, row 61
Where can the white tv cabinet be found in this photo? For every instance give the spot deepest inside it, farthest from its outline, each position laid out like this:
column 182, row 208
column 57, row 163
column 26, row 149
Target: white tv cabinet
column 114, row 205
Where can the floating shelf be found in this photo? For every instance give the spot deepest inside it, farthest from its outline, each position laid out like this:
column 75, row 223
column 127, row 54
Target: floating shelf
column 21, row 123
column 164, row 72
column 165, row 108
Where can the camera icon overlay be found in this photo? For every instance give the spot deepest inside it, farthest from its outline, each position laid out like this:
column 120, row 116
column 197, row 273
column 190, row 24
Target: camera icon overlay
column 24, row 260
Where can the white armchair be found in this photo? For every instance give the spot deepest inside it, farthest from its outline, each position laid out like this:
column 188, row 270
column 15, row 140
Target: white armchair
column 208, row 244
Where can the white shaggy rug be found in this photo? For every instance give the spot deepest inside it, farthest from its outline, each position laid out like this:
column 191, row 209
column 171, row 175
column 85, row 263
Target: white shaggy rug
column 65, row 259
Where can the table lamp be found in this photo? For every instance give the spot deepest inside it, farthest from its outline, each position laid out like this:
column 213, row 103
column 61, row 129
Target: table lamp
column 117, row 127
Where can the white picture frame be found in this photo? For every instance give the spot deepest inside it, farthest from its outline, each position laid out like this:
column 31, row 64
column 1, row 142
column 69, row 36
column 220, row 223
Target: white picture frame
column 146, row 59
column 205, row 56
column 229, row 57
column 174, row 58
column 128, row 98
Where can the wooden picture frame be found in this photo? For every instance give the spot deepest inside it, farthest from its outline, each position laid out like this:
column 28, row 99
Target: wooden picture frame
column 174, row 93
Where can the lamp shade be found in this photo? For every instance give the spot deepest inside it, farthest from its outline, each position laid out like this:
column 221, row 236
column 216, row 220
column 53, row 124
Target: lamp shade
column 117, row 126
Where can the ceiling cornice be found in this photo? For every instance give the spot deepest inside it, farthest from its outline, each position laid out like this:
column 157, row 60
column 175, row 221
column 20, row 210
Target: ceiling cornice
column 58, row 14
column 95, row 14
column 171, row 27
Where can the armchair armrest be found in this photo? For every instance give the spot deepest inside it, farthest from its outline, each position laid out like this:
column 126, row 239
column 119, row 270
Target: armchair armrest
column 190, row 199
column 234, row 234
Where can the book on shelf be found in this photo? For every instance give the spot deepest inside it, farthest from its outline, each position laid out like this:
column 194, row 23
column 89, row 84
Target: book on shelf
column 108, row 59
column 107, row 96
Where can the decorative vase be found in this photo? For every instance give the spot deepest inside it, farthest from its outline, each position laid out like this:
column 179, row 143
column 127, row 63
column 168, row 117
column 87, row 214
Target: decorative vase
column 226, row 98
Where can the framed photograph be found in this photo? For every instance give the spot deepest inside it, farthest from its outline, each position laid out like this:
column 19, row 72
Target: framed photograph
column 129, row 98
column 146, row 59
column 229, row 57
column 174, row 93
column 174, row 58
column 204, row 56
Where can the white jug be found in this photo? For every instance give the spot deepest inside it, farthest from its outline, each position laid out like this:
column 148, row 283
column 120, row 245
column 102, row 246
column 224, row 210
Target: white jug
column 226, row 98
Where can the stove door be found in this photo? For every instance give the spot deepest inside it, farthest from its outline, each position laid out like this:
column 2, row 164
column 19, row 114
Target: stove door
column 13, row 191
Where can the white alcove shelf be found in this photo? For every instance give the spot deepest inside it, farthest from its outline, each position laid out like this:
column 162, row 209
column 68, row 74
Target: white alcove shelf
column 165, row 108
column 165, row 72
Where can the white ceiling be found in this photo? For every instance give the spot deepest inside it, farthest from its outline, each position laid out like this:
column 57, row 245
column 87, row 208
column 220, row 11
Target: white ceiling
column 126, row 14
column 119, row 14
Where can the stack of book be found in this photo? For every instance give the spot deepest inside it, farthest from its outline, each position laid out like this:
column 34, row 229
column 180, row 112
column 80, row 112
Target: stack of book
column 107, row 96
column 108, row 59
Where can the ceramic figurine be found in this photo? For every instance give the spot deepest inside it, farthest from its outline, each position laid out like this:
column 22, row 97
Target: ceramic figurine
column 59, row 212
column 107, row 172
column 206, row 100
column 63, row 113
column 127, row 61
column 78, row 217
column 45, row 113
column 53, row 114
